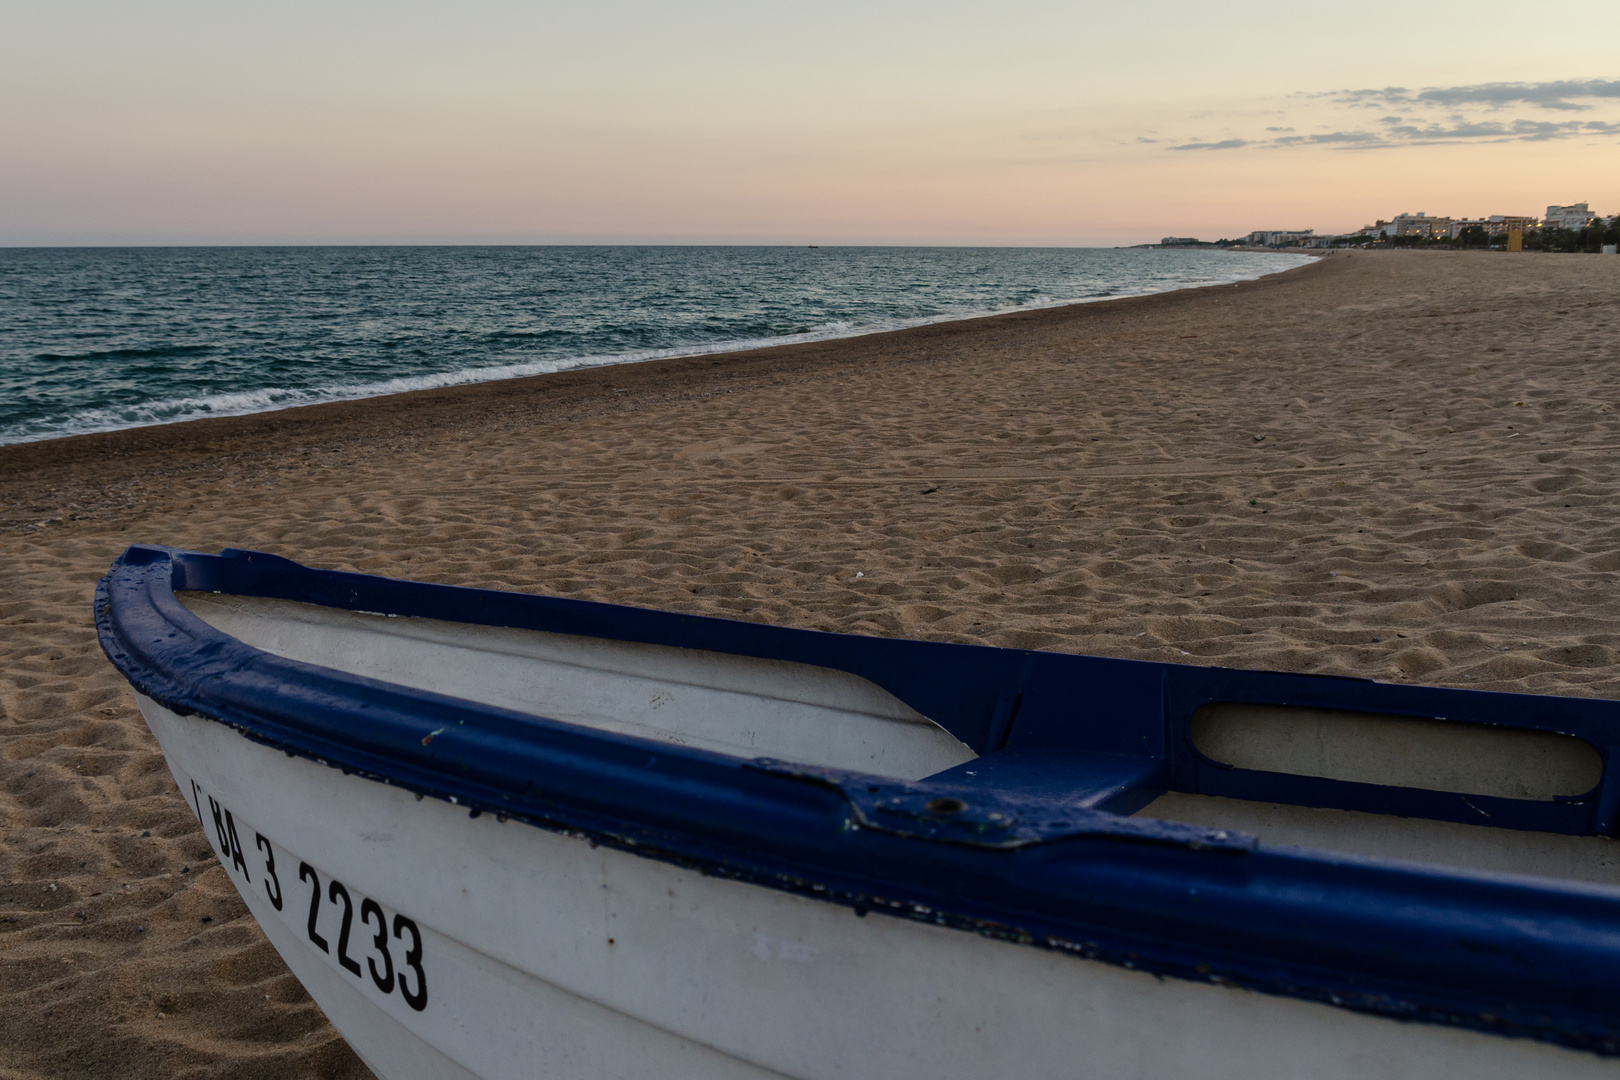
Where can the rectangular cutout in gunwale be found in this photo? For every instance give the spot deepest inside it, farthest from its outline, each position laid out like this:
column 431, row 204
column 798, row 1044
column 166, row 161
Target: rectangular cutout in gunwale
column 1397, row 751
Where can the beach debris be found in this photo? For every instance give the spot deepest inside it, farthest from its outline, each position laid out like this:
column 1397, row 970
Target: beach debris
column 930, row 491
column 860, row 573
column 1259, row 438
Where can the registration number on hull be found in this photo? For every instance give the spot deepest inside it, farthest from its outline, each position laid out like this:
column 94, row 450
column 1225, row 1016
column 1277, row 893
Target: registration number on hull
column 379, row 949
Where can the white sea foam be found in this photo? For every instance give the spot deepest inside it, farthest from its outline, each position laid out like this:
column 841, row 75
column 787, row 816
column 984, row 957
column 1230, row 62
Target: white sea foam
column 272, row 399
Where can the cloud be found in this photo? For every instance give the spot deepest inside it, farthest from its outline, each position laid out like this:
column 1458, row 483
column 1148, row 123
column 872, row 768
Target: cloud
column 1548, row 95
column 1460, row 129
column 1224, row 144
column 1564, row 95
column 1353, row 138
column 1444, row 115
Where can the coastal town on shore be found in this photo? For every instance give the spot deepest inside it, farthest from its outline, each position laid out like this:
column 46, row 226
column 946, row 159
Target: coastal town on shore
column 1563, row 228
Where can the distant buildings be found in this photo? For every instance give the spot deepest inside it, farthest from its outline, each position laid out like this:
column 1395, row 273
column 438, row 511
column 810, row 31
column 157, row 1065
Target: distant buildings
column 1279, row 237
column 1578, row 216
column 1495, row 225
column 1420, row 226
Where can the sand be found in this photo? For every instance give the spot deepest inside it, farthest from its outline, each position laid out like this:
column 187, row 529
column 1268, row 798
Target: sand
column 1399, row 466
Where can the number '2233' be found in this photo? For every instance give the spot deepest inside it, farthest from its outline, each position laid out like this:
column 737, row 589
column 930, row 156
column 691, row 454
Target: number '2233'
column 386, row 977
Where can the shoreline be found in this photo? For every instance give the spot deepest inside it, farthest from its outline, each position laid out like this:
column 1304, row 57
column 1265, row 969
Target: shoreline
column 470, row 376
column 569, row 387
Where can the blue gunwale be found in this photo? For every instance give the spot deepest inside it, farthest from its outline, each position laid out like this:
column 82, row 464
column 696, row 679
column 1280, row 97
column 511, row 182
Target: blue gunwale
column 1040, row 854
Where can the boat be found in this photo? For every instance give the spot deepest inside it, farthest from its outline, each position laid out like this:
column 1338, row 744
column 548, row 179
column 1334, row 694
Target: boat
column 508, row 835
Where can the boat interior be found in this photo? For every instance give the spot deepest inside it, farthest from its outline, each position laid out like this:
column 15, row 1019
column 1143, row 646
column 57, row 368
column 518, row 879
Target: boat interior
column 1358, row 782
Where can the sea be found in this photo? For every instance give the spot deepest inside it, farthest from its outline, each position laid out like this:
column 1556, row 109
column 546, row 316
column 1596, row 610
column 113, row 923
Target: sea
column 97, row 339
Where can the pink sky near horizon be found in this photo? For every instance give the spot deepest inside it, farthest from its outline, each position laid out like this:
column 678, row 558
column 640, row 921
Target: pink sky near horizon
column 1038, row 123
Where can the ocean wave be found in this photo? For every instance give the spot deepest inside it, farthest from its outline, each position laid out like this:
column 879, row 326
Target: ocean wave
column 156, row 352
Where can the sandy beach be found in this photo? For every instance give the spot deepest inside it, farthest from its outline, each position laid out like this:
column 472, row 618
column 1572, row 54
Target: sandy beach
column 1394, row 465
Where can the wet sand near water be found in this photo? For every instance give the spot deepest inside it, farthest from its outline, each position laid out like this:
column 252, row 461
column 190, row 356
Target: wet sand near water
column 1395, row 465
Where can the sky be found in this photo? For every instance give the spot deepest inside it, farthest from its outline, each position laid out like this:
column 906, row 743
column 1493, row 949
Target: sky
column 883, row 122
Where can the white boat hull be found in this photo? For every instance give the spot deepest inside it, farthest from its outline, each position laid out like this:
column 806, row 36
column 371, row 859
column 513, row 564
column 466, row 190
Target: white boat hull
column 543, row 955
